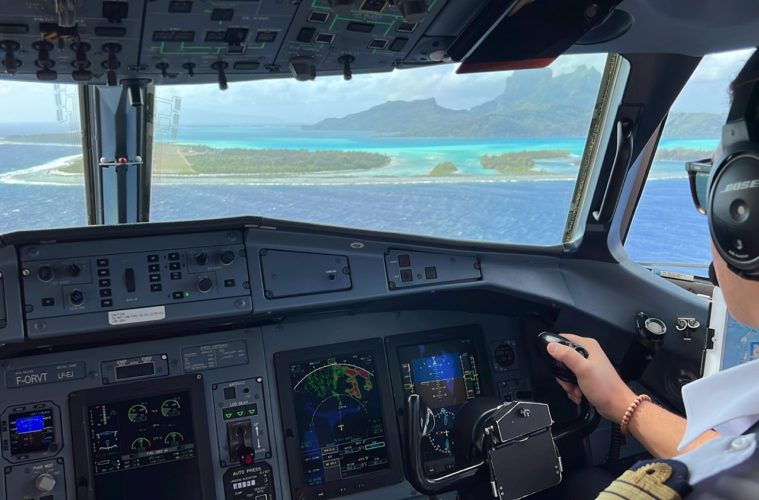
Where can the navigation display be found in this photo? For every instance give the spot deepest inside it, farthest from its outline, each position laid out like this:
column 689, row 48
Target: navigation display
column 339, row 417
column 446, row 376
column 136, row 444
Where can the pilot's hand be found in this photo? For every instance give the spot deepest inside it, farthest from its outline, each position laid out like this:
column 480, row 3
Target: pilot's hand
column 597, row 379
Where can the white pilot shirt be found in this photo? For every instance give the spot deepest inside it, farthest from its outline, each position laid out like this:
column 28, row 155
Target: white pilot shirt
column 728, row 402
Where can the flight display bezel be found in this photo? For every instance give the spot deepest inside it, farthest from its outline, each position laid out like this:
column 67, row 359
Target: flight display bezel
column 471, row 334
column 298, row 485
column 81, row 401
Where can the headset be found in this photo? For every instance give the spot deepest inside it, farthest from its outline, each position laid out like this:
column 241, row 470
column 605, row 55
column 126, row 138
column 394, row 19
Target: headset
column 733, row 202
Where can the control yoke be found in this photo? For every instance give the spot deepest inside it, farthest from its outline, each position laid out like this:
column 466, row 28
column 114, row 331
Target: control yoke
column 508, row 450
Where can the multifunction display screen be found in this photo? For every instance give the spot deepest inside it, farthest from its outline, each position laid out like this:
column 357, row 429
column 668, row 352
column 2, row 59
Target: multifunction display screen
column 137, row 444
column 339, row 417
column 31, row 431
column 445, row 376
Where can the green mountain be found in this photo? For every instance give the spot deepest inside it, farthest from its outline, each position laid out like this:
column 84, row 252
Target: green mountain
column 534, row 103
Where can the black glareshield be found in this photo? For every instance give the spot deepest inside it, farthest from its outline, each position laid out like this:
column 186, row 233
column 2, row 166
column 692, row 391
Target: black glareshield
column 733, row 210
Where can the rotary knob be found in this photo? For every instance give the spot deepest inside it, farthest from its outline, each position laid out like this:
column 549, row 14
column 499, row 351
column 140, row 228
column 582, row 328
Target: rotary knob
column 45, row 273
column 76, row 297
column 45, row 483
column 227, row 257
column 201, row 259
column 75, row 270
column 205, row 285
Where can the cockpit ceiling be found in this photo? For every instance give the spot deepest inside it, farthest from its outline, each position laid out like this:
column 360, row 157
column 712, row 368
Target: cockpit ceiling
column 685, row 27
column 135, row 42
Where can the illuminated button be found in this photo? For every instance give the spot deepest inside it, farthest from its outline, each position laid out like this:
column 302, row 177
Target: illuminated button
column 154, row 268
column 177, row 295
column 404, row 260
column 102, row 262
column 430, row 273
column 174, row 266
column 105, row 292
column 156, row 287
column 104, row 272
column 407, row 275
column 155, row 277
column 106, row 303
column 153, row 257
column 104, row 282
column 174, row 256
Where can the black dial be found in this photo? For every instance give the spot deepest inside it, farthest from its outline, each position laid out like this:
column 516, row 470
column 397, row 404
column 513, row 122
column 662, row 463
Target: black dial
column 227, row 257
column 205, row 285
column 75, row 270
column 201, row 259
column 76, row 297
column 505, row 355
column 45, row 273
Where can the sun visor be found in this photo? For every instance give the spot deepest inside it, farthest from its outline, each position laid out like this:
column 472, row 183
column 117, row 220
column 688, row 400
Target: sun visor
column 526, row 33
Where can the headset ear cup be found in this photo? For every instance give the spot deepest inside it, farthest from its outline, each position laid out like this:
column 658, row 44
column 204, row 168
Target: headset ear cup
column 734, row 209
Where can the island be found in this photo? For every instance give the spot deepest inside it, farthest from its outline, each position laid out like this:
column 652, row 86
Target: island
column 171, row 159
column 520, row 163
column 445, row 169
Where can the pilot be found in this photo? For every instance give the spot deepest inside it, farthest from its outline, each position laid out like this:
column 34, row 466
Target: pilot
column 713, row 453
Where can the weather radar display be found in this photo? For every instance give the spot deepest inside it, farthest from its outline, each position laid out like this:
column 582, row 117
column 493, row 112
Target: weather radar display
column 445, row 376
column 339, row 416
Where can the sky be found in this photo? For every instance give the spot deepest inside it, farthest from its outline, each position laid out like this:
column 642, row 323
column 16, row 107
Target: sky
column 285, row 101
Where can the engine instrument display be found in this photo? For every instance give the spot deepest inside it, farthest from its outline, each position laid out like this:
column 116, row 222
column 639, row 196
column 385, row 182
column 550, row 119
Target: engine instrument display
column 446, row 376
column 31, row 431
column 339, row 416
column 146, row 441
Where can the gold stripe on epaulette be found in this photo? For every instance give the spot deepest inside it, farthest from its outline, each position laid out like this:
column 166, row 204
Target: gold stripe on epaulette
column 647, row 482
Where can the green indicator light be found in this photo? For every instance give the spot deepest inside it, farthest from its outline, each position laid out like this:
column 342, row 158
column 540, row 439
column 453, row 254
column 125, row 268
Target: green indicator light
column 227, row 416
column 251, row 411
column 186, row 294
column 240, row 413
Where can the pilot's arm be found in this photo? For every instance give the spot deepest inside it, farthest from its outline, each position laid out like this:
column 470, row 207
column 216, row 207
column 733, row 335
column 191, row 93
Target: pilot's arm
column 659, row 430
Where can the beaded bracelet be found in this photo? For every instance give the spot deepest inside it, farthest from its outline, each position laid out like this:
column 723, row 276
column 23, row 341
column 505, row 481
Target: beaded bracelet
column 630, row 410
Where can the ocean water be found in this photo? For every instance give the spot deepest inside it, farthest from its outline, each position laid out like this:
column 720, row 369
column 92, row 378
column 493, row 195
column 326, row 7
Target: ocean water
column 666, row 227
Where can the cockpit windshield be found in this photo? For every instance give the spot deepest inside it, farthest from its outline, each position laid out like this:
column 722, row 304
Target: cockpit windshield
column 41, row 181
column 485, row 157
column 490, row 157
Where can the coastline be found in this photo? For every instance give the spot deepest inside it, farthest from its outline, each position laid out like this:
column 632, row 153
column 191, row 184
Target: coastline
column 50, row 174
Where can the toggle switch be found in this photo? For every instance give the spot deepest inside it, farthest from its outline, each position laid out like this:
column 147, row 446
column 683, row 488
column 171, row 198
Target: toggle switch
column 190, row 67
column 10, row 62
column 129, row 279
column 219, row 67
column 346, row 60
column 240, row 442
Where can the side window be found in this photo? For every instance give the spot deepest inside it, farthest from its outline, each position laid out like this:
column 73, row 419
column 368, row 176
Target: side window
column 667, row 232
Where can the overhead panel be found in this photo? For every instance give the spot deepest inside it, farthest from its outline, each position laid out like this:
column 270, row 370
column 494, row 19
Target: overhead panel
column 196, row 41
column 186, row 39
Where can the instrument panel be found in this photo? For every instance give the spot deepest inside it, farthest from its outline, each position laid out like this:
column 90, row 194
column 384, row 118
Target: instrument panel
column 304, row 406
